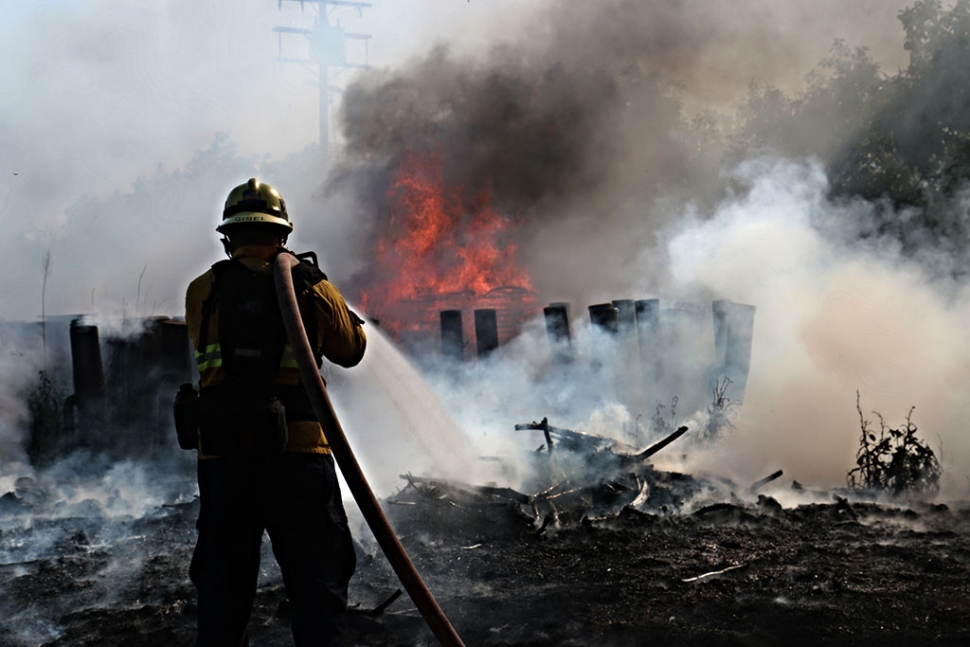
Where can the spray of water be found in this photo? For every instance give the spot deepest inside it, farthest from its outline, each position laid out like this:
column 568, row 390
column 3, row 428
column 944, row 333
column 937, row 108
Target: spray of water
column 395, row 422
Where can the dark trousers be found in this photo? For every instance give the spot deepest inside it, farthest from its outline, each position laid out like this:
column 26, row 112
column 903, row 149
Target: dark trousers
column 296, row 499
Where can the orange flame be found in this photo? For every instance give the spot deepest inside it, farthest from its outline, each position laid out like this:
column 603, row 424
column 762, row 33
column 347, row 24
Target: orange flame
column 439, row 247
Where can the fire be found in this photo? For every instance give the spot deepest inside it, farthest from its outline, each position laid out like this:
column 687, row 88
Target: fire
column 443, row 249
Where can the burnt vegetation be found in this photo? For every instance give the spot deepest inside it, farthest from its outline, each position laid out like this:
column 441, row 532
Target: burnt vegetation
column 720, row 412
column 893, row 459
column 45, row 415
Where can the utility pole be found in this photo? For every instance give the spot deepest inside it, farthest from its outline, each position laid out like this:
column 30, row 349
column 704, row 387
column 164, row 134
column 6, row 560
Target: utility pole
column 327, row 47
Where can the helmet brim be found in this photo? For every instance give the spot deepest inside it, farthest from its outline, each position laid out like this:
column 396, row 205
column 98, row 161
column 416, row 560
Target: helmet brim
column 253, row 218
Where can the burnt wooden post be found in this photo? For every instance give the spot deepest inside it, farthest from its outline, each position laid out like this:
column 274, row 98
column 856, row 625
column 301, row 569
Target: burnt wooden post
column 176, row 368
column 84, row 410
column 176, row 351
column 685, row 368
column 556, row 316
column 606, row 317
column 557, row 323
column 486, row 331
column 627, row 366
column 88, row 369
column 452, row 338
column 648, row 336
column 626, row 315
column 733, row 336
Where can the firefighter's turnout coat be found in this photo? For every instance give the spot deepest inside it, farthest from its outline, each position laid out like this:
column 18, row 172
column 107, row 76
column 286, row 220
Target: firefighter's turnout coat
column 339, row 338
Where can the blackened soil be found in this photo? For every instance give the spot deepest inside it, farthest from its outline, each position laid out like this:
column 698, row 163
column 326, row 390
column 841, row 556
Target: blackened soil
column 729, row 574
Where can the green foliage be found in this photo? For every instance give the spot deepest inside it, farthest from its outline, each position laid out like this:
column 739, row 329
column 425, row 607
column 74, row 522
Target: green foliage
column 900, row 140
column 894, row 460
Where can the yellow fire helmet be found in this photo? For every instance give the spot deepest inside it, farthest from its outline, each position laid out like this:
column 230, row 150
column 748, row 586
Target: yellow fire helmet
column 254, row 203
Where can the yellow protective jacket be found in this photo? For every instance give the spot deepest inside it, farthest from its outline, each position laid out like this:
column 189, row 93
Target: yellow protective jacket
column 339, row 336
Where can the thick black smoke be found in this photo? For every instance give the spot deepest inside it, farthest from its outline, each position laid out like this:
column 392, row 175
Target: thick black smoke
column 590, row 95
column 624, row 103
column 606, row 118
column 531, row 133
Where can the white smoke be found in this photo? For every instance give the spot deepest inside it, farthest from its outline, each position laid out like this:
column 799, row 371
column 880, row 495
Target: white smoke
column 19, row 374
column 831, row 320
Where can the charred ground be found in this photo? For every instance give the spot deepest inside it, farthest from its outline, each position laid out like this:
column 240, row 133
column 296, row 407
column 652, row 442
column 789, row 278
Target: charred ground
column 730, row 569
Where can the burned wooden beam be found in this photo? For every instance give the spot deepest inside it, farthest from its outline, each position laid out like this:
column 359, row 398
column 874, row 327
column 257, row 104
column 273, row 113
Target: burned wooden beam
column 503, row 492
column 538, row 426
column 550, row 497
column 659, row 445
column 568, row 438
column 484, row 493
column 768, row 479
column 379, row 609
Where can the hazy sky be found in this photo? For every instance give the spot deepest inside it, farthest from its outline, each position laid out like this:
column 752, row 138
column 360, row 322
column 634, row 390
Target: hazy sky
column 98, row 94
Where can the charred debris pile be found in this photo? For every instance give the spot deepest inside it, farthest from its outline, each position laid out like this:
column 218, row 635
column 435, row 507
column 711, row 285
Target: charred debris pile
column 582, row 479
column 665, row 350
column 604, row 548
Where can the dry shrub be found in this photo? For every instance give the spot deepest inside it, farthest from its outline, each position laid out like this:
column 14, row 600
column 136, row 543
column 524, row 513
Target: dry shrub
column 894, row 460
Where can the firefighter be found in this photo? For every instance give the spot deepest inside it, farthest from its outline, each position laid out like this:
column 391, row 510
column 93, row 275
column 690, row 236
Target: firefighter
column 264, row 462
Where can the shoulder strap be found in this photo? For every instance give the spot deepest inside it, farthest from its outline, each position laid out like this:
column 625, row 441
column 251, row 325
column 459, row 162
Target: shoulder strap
column 209, row 304
column 306, row 275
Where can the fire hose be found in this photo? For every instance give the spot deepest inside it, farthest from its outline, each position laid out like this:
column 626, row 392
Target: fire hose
column 347, row 461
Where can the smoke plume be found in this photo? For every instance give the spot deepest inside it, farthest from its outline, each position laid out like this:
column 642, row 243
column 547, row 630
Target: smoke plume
column 695, row 151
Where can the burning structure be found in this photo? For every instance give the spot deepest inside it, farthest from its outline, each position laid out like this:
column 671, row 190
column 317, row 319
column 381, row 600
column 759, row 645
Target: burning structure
column 442, row 250
column 447, row 263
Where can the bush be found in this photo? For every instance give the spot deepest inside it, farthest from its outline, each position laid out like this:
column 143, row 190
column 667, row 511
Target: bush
column 894, row 460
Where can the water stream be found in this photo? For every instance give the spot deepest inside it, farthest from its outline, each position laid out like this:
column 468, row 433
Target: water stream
column 394, row 421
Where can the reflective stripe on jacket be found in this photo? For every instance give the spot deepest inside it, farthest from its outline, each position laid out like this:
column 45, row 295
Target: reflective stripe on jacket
column 211, row 358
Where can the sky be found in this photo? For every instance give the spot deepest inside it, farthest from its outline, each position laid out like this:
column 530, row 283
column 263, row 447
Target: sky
column 103, row 94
